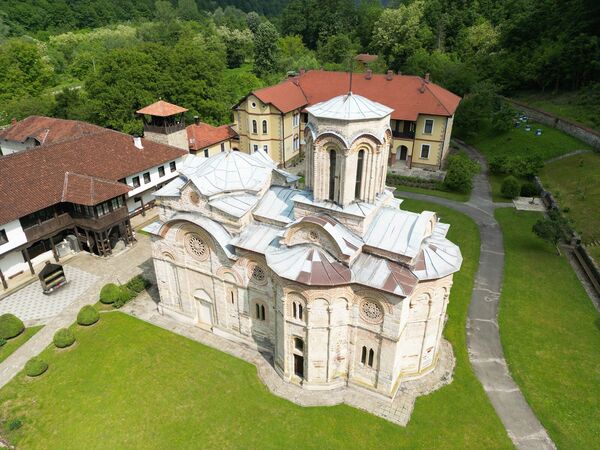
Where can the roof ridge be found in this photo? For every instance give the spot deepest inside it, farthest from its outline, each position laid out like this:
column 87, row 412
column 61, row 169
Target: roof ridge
column 426, row 84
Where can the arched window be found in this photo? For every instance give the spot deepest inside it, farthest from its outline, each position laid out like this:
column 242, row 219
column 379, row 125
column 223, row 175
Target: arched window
column 254, row 127
column 300, row 312
column 297, row 311
column 363, row 356
column 359, row 173
column 232, row 297
column 367, row 356
column 371, row 355
column 260, row 311
column 264, row 127
column 332, row 161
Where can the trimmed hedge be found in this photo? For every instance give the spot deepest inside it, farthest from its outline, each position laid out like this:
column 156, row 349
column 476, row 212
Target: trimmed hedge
column 137, row 284
column 88, row 315
column 10, row 326
column 63, row 338
column 110, row 293
column 35, row 367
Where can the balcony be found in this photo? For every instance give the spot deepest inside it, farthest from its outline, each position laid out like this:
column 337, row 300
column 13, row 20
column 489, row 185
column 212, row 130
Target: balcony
column 403, row 134
column 164, row 129
column 48, row 227
column 100, row 223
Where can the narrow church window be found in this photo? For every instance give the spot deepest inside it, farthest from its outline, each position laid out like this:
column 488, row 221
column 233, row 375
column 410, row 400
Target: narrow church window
column 254, row 127
column 332, row 161
column 359, row 173
column 300, row 312
column 232, row 297
column 257, row 311
column 264, row 127
column 262, row 312
column 363, row 356
column 371, row 355
column 295, row 310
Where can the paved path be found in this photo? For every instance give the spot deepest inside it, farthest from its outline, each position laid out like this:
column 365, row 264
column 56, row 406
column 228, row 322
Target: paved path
column 483, row 336
column 122, row 267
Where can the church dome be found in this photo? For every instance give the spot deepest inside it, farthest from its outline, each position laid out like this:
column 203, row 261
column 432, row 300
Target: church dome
column 349, row 107
column 229, row 171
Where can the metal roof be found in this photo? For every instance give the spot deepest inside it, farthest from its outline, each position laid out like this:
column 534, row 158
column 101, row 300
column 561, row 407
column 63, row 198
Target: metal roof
column 277, row 204
column 235, row 205
column 438, row 257
column 257, row 237
column 171, row 189
column 349, row 107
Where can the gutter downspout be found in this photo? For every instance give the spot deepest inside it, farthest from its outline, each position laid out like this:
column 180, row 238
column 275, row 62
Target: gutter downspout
column 283, row 138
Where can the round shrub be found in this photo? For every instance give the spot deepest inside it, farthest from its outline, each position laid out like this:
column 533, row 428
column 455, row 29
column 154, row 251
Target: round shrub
column 10, row 326
column 110, row 293
column 35, row 367
column 63, row 338
column 87, row 316
column 528, row 189
column 510, row 187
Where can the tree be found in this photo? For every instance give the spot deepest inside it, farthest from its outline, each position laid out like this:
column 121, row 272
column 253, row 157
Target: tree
column 239, row 45
column 187, row 9
column 552, row 228
column 265, row 49
column 396, row 33
column 460, row 172
column 293, row 55
column 164, row 11
column 253, row 21
column 511, row 188
column 337, row 49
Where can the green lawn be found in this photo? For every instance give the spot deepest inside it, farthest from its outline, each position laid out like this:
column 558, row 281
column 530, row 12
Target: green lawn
column 551, row 335
column 575, row 182
column 564, row 105
column 8, row 349
column 457, row 196
column 518, row 142
column 128, row 384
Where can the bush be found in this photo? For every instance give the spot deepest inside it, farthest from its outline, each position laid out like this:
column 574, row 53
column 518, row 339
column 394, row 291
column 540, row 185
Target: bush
column 10, row 326
column 137, row 284
column 499, row 165
column 87, row 315
column 110, row 293
column 460, row 172
column 126, row 295
column 63, row 338
column 14, row 424
column 528, row 189
column 2, row 342
column 35, row 367
column 510, row 187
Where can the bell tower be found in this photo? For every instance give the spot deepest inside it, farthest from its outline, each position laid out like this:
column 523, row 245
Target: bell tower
column 347, row 146
column 164, row 123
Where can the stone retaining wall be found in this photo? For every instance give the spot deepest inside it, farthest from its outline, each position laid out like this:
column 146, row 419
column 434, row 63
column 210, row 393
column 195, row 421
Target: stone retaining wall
column 581, row 132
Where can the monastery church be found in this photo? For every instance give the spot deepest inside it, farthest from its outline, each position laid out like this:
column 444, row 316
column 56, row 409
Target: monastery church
column 334, row 281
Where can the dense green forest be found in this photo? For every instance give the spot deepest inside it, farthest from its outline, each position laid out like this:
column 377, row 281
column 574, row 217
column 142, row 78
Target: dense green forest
column 100, row 60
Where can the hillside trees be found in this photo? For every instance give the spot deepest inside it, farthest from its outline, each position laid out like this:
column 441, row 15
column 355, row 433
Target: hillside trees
column 265, row 49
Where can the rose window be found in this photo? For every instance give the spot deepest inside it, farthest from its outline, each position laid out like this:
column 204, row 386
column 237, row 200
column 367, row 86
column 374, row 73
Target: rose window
column 196, row 246
column 313, row 236
column 258, row 274
column 371, row 311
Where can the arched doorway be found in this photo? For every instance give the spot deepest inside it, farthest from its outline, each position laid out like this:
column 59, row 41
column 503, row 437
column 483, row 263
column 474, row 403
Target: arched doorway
column 402, row 153
column 203, row 308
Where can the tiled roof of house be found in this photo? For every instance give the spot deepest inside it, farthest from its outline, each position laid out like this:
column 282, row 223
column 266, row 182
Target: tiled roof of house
column 161, row 109
column 34, row 179
column 47, row 130
column 407, row 95
column 203, row 135
column 87, row 190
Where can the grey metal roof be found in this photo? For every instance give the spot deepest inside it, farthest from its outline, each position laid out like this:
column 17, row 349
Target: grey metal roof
column 153, row 228
column 349, row 107
column 235, row 205
column 256, row 237
column 398, row 231
column 380, row 273
column 438, row 257
column 277, row 204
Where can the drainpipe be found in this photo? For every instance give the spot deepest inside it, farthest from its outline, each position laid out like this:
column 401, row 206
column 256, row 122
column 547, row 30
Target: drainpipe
column 283, row 138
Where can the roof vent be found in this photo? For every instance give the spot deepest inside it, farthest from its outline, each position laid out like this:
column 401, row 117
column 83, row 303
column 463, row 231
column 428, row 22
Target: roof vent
column 390, row 75
column 302, row 71
column 137, row 141
column 197, row 120
column 426, row 78
column 369, row 74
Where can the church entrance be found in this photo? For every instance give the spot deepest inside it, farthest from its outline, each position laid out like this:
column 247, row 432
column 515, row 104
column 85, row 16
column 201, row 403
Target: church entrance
column 299, row 366
column 204, row 309
column 402, row 153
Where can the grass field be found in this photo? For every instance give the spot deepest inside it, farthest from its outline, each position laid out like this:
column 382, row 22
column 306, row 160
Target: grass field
column 575, row 183
column 8, row 349
column 128, row 384
column 551, row 335
column 457, row 196
column 518, row 142
column 564, row 105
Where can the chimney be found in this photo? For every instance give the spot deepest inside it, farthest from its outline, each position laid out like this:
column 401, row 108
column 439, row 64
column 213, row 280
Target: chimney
column 390, row 75
column 369, row 74
column 197, row 120
column 137, row 141
column 13, row 121
column 302, row 72
column 426, row 78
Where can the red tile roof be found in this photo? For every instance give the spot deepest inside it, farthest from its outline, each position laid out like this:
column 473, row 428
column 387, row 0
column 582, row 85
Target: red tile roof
column 47, row 130
column 204, row 135
column 86, row 190
column 407, row 95
column 162, row 109
column 34, row 179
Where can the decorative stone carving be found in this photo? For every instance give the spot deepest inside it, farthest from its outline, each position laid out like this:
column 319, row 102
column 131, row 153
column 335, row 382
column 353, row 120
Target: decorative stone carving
column 371, row 312
column 194, row 197
column 196, row 247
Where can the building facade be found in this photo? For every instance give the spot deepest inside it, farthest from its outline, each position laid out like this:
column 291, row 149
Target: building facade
column 273, row 119
column 336, row 282
column 75, row 187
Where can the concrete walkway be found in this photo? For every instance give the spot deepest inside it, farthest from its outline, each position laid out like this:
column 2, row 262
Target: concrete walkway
column 119, row 268
column 483, row 336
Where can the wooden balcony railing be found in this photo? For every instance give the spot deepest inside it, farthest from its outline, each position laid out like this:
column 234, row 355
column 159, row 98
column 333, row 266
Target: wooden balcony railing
column 48, row 227
column 164, row 129
column 403, row 134
column 100, row 223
